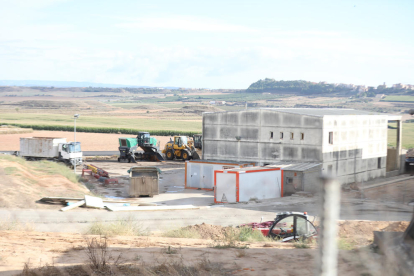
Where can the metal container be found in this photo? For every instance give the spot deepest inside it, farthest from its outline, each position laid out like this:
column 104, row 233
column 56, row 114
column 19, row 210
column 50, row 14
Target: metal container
column 40, row 147
column 143, row 181
column 245, row 184
column 200, row 174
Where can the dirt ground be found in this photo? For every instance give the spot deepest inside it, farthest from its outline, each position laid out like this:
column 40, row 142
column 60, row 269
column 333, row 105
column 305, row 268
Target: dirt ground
column 89, row 141
column 22, row 184
column 402, row 192
column 261, row 258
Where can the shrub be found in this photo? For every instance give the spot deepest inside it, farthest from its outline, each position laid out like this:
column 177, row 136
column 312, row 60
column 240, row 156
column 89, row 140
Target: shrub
column 104, row 129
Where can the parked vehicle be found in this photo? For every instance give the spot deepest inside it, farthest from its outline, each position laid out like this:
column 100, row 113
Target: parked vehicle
column 129, row 148
column 180, row 148
column 198, row 141
column 287, row 226
column 48, row 148
column 409, row 162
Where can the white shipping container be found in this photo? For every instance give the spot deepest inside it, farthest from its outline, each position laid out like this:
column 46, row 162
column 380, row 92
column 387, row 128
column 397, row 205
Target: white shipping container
column 200, row 174
column 42, row 147
column 244, row 184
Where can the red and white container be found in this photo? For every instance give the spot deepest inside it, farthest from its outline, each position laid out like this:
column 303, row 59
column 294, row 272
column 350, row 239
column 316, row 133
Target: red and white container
column 244, row 184
column 199, row 174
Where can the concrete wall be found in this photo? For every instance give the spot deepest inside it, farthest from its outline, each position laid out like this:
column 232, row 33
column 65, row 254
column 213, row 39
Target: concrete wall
column 246, row 136
column 359, row 148
column 358, row 152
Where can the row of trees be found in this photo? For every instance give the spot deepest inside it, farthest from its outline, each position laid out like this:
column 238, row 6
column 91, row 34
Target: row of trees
column 297, row 86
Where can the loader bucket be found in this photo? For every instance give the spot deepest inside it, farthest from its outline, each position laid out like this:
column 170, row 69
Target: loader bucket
column 195, row 155
column 158, row 157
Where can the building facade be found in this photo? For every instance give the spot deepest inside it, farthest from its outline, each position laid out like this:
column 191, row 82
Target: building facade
column 350, row 144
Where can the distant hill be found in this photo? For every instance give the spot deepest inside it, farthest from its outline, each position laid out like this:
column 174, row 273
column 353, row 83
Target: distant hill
column 296, row 86
column 67, row 84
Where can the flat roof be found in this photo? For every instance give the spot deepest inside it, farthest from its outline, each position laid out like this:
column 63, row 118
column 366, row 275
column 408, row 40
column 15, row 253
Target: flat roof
column 289, row 166
column 320, row 112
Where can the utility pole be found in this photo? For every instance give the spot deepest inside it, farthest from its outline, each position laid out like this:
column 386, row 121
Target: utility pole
column 327, row 259
column 76, row 116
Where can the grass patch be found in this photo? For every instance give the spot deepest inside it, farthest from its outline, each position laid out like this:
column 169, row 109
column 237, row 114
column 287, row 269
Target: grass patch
column 10, row 170
column 344, row 244
column 53, row 168
column 398, row 99
column 182, row 233
column 231, row 239
column 122, row 227
column 43, row 166
column 407, row 135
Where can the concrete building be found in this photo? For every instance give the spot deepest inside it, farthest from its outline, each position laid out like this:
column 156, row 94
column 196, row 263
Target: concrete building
column 351, row 145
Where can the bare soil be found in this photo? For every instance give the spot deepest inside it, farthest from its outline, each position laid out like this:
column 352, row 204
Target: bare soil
column 21, row 186
column 63, row 250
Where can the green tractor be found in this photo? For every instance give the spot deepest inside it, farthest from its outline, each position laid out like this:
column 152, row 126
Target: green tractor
column 128, row 148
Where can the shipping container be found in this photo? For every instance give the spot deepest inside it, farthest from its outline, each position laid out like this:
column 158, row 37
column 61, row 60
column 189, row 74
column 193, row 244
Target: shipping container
column 143, row 181
column 40, row 147
column 200, row 174
column 245, row 184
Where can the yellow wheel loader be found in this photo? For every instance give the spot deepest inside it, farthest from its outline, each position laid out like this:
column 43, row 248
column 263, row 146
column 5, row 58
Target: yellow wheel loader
column 180, row 148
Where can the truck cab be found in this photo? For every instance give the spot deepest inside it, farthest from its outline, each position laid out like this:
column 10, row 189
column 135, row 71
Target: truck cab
column 71, row 153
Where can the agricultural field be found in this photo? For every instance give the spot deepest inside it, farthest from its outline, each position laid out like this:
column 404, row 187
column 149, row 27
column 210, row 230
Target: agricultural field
column 407, row 137
column 137, row 123
column 399, row 99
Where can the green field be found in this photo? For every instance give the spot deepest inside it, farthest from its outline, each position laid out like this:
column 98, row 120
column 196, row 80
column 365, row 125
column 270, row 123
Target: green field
column 408, row 135
column 93, row 121
column 398, row 99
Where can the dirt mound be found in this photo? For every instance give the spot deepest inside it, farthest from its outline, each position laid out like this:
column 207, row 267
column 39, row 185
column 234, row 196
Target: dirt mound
column 361, row 232
column 148, row 107
column 24, row 182
column 208, row 231
column 400, row 226
column 197, row 109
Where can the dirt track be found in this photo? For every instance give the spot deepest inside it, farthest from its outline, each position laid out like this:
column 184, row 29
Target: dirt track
column 262, row 258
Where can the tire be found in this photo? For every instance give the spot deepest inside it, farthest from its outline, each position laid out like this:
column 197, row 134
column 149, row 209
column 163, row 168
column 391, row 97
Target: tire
column 119, row 159
column 185, row 155
column 169, row 154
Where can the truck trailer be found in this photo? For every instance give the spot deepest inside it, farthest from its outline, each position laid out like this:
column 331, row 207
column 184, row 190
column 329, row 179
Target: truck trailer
column 50, row 148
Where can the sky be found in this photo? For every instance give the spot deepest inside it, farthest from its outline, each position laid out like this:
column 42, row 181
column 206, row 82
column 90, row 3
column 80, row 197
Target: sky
column 207, row 44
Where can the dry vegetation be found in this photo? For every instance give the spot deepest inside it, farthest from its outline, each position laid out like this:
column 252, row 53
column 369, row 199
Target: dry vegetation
column 24, row 182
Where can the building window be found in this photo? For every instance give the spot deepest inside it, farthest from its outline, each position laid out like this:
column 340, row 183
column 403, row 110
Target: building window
column 331, row 138
column 302, row 136
column 271, row 135
column 379, row 162
column 281, row 135
column 291, row 136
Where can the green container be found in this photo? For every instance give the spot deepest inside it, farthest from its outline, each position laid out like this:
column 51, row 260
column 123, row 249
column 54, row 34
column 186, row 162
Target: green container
column 128, row 142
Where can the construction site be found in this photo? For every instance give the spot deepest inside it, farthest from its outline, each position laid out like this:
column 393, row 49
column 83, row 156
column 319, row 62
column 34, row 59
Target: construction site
column 255, row 186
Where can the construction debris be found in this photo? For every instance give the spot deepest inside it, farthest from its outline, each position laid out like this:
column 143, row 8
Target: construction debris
column 151, row 208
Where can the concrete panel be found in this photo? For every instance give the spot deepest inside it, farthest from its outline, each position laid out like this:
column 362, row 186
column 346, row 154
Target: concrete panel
column 228, row 132
column 225, row 189
column 270, row 151
column 290, row 152
column 249, row 150
column 250, row 134
column 270, row 118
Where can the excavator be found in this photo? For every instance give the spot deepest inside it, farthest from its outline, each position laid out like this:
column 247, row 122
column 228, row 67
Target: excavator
column 180, row 148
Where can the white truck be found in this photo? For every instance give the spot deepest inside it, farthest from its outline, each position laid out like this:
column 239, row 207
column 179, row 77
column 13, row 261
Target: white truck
column 49, row 148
